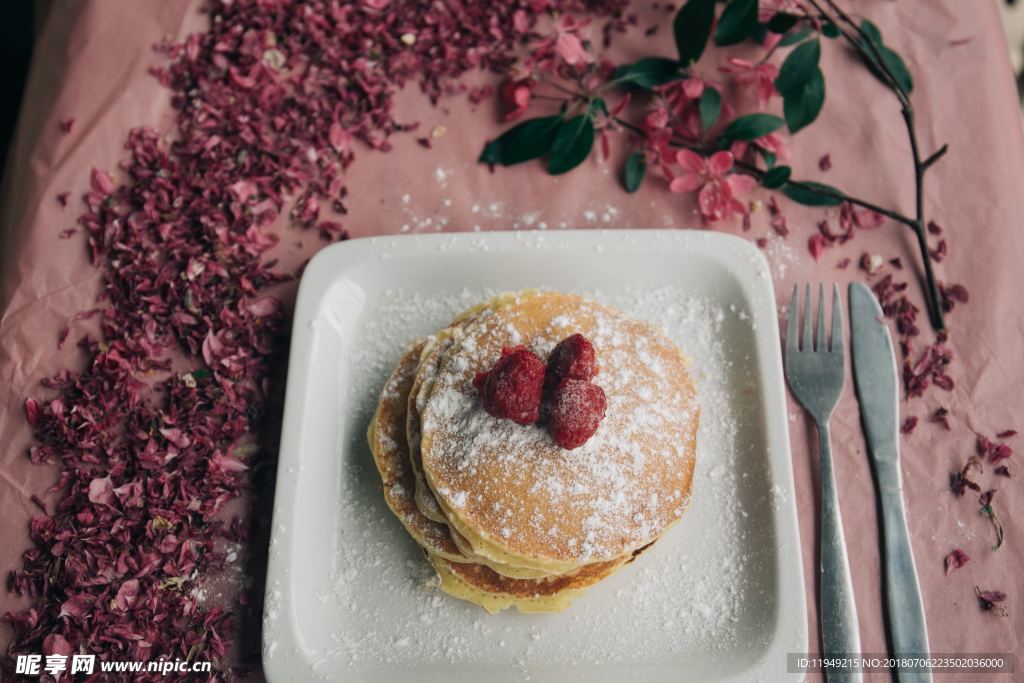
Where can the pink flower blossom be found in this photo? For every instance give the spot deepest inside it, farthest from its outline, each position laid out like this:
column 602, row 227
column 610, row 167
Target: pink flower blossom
column 516, row 95
column 568, row 45
column 771, row 143
column 570, row 49
column 677, row 94
column 761, row 77
column 716, row 188
column 657, row 116
column 693, row 87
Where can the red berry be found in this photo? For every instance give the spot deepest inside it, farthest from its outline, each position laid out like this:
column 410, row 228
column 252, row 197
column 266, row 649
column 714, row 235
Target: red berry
column 575, row 411
column 574, row 357
column 513, row 387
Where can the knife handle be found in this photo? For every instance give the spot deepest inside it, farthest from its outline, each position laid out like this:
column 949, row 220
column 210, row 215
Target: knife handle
column 902, row 594
column 840, row 633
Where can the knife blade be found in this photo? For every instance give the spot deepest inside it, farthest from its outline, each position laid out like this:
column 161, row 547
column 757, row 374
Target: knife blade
column 874, row 373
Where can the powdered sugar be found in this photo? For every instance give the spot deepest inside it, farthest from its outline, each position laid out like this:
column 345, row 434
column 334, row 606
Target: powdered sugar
column 640, row 446
column 699, row 588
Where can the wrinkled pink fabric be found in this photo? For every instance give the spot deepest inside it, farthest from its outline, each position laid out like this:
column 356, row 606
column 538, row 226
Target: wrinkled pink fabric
column 91, row 64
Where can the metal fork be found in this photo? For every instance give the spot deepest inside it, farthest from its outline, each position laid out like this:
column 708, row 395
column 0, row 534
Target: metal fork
column 815, row 374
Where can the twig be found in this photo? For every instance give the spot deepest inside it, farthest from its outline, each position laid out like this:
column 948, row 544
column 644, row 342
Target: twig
column 750, row 169
column 869, row 51
column 936, row 155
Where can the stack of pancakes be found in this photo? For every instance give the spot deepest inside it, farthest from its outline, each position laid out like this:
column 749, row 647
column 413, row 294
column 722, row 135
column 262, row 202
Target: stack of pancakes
column 504, row 514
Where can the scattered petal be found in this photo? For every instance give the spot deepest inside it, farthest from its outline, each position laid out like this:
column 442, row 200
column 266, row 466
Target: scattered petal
column 956, row 559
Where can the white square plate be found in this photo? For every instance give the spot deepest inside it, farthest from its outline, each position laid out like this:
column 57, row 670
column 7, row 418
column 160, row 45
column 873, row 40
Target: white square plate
column 349, row 595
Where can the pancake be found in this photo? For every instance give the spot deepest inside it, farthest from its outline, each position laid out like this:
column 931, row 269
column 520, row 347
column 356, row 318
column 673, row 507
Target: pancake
column 521, row 500
column 390, row 453
column 483, row 587
column 492, row 591
column 487, row 587
column 428, row 363
column 430, row 359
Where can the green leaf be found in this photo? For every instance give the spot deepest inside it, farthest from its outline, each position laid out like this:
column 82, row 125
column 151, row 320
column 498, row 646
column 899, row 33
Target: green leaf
column 830, row 30
column 898, row 69
column 528, row 140
column 751, row 126
column 799, row 66
column 871, row 31
column 782, row 22
column 760, row 33
column 737, row 23
column 597, row 105
column 692, row 27
column 802, row 106
column 890, row 59
column 572, row 144
column 648, row 72
column 710, row 107
column 636, row 168
column 805, row 194
column 795, row 37
column 776, row 177
column 769, row 157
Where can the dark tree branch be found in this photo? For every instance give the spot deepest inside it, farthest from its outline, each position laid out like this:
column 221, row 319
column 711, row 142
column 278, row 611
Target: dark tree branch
column 864, row 46
column 936, row 155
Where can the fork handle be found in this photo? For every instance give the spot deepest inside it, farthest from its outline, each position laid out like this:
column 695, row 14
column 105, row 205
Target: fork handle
column 840, row 634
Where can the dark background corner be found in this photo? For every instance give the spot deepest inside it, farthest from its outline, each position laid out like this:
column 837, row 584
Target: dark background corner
column 19, row 21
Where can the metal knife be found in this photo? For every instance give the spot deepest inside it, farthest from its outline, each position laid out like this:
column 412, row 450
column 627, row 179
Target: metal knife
column 874, row 372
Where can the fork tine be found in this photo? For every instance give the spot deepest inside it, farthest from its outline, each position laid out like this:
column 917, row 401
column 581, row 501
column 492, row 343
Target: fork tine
column 808, row 343
column 822, row 342
column 793, row 326
column 837, row 321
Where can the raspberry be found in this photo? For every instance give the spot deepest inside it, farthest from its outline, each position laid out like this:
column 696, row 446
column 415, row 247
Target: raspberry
column 512, row 389
column 574, row 357
column 575, row 411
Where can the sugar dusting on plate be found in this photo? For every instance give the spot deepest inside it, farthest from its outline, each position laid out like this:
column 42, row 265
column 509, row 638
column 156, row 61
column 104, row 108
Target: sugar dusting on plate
column 700, row 588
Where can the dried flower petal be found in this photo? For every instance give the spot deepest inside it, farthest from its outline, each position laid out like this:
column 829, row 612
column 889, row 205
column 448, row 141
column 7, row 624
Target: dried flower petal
column 988, row 600
column 102, row 182
column 269, row 102
column 56, row 644
column 956, row 559
column 816, row 244
column 959, row 482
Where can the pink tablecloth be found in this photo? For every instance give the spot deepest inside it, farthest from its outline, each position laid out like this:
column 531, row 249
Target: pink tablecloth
column 91, row 64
